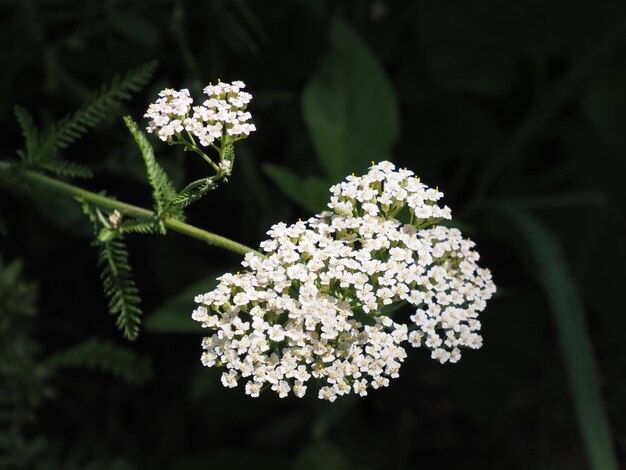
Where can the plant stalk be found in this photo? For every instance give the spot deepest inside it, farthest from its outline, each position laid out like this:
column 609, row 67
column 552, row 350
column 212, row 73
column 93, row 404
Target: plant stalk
column 107, row 203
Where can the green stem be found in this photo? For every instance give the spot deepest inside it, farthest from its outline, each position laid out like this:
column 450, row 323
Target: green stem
column 107, row 203
column 194, row 184
column 191, row 145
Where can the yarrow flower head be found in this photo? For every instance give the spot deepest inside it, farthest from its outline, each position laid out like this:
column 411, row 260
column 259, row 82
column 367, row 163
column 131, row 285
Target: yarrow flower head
column 224, row 113
column 315, row 310
column 217, row 123
column 168, row 113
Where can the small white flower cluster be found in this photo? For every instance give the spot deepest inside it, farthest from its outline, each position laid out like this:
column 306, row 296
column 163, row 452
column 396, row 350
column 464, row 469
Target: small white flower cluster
column 168, row 113
column 314, row 306
column 224, row 113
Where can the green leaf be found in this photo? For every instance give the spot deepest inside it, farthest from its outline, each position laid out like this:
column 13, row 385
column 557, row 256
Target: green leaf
column 188, row 197
column 311, row 192
column 65, row 168
column 350, row 107
column 137, row 226
column 29, row 131
column 174, row 316
column 119, row 286
column 164, row 193
column 99, row 106
column 107, row 357
column 117, row 276
column 569, row 318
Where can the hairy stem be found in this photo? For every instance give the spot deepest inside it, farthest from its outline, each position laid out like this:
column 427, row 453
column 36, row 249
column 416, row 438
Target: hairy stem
column 107, row 203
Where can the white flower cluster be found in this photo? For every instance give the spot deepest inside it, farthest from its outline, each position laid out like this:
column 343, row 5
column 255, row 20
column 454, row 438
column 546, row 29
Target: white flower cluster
column 224, row 113
column 314, row 308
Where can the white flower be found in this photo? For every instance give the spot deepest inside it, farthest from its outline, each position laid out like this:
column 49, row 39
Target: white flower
column 226, row 166
column 167, row 113
column 224, row 113
column 310, row 310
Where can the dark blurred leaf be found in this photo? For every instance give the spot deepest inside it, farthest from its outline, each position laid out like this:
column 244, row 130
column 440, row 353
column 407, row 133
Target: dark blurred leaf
column 569, row 318
column 67, row 217
column 605, row 107
column 586, row 66
column 469, row 45
column 328, row 416
column 449, row 126
column 321, row 455
column 23, row 379
column 601, row 261
column 174, row 316
column 107, row 357
column 555, row 26
column 236, row 459
column 599, row 167
column 310, row 192
column 474, row 46
column 350, row 106
column 135, row 28
column 16, row 296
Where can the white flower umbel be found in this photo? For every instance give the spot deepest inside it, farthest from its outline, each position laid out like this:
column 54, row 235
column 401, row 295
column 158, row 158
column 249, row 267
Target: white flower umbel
column 168, row 113
column 316, row 308
column 217, row 123
column 224, row 113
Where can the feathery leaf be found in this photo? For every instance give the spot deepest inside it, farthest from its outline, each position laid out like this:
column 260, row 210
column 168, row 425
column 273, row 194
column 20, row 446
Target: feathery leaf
column 137, row 226
column 65, row 168
column 164, row 192
column 119, row 286
column 29, row 131
column 105, row 356
column 187, row 198
column 95, row 109
column 117, row 276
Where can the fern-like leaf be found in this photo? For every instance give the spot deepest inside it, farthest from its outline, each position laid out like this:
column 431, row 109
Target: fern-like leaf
column 9, row 178
column 137, row 226
column 95, row 109
column 164, row 192
column 31, row 136
column 187, row 198
column 119, row 286
column 105, row 356
column 229, row 154
column 117, row 276
column 65, row 168
column 195, row 191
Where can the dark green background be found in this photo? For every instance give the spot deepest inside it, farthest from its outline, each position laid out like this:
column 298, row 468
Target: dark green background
column 516, row 110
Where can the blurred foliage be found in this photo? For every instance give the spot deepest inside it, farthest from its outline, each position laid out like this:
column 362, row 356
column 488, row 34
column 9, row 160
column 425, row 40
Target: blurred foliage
column 26, row 379
column 23, row 381
column 501, row 104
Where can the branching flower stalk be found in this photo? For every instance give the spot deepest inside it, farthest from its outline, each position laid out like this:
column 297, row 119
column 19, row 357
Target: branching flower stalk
column 218, row 123
column 129, row 210
column 213, row 126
